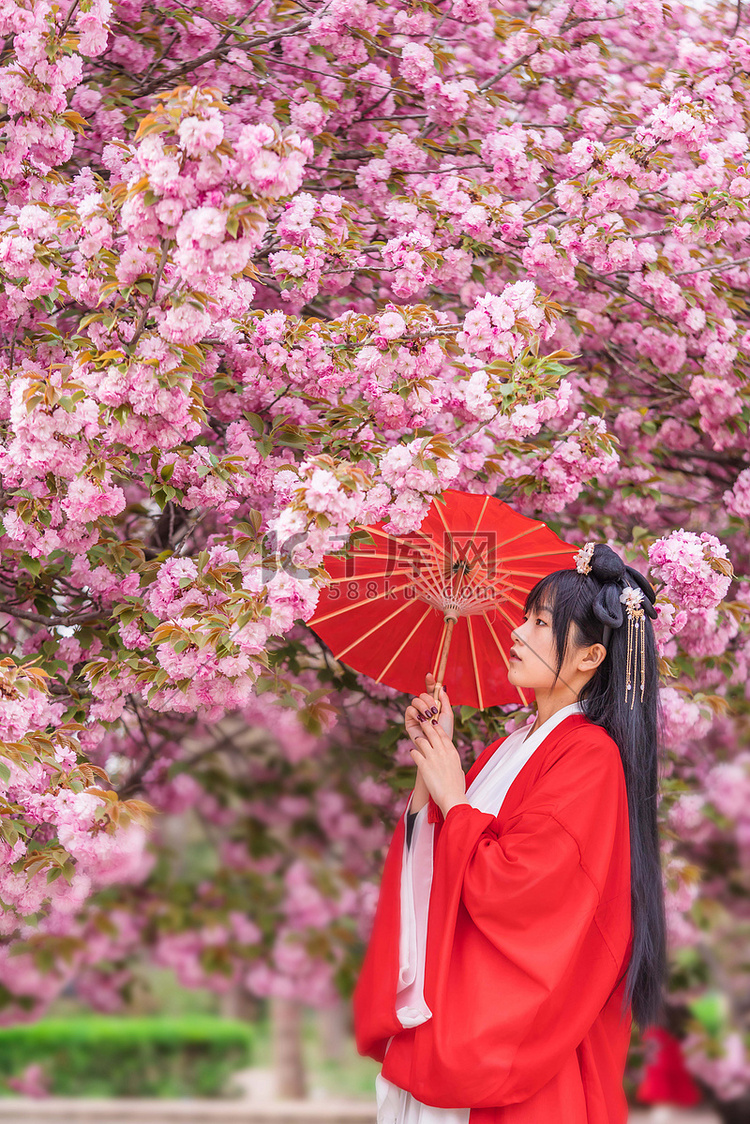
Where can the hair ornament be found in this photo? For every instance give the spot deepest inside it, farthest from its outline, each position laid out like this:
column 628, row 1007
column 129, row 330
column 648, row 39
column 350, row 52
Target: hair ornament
column 583, row 558
column 631, row 598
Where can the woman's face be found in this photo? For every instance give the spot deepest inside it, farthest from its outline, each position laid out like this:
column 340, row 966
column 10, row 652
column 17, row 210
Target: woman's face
column 533, row 656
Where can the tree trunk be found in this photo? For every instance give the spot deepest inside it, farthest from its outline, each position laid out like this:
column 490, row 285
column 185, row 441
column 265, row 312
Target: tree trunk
column 239, row 1004
column 288, row 1060
column 332, row 1026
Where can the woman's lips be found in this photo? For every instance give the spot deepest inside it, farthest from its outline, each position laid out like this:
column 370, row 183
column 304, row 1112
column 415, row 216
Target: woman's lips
column 514, row 656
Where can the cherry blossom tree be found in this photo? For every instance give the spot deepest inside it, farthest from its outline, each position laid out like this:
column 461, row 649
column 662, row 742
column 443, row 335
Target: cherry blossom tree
column 276, row 270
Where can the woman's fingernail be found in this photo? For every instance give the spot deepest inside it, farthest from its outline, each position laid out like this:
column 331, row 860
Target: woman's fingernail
column 442, row 688
column 422, row 717
column 434, row 721
column 434, row 710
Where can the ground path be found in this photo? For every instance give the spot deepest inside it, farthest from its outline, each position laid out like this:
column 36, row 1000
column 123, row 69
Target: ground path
column 72, row 1110
column 255, row 1105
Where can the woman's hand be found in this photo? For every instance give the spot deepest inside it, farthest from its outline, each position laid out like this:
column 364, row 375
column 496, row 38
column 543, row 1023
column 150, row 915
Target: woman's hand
column 439, row 766
column 426, row 706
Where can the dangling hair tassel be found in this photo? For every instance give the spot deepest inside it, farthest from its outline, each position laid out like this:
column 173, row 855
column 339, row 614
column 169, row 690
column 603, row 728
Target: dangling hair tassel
column 631, row 598
column 643, row 658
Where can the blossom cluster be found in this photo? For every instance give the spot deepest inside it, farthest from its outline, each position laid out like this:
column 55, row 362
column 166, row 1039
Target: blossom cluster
column 686, row 563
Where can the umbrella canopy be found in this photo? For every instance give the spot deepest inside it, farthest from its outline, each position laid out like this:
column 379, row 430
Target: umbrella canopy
column 397, row 603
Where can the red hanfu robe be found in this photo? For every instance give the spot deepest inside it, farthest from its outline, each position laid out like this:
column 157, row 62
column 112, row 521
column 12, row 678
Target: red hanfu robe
column 528, row 942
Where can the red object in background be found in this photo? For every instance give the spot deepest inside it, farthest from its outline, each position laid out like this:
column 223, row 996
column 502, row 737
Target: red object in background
column 666, row 1079
column 397, row 605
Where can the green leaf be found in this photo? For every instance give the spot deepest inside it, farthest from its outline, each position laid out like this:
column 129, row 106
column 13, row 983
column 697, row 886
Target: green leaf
column 8, row 831
column 33, row 565
column 710, row 1010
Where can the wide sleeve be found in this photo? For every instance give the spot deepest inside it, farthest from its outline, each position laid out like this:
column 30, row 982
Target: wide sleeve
column 416, row 878
column 374, row 999
column 376, row 994
column 534, row 920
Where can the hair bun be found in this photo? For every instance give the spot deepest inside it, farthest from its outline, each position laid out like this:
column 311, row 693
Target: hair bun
column 606, row 566
column 607, row 606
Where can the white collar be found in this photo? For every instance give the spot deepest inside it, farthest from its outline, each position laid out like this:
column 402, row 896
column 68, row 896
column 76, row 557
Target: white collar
column 550, row 723
column 489, row 787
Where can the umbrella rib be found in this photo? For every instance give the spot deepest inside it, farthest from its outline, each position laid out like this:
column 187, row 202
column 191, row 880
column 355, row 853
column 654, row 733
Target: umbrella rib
column 429, row 577
column 538, row 554
column 370, row 631
column 474, row 662
column 388, row 535
column 395, row 538
column 428, row 589
column 513, row 601
column 498, row 645
column 401, row 647
column 531, row 574
column 357, row 605
column 367, row 554
column 494, row 636
column 445, row 525
column 429, row 580
column 514, row 538
column 523, row 534
column 464, row 578
column 481, row 514
column 509, row 619
column 377, row 574
column 499, row 583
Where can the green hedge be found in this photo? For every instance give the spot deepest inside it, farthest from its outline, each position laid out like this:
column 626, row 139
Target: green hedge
column 105, row 1056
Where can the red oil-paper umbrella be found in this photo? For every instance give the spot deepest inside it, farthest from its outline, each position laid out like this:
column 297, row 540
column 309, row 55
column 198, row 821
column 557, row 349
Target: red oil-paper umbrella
column 399, row 605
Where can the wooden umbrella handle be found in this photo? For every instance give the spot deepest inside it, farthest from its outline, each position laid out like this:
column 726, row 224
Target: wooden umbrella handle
column 450, row 621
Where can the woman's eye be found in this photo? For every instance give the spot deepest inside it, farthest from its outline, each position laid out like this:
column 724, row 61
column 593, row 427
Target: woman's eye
column 539, row 621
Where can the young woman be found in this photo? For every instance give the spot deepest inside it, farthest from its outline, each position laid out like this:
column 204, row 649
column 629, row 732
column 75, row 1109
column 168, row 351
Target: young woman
column 520, row 926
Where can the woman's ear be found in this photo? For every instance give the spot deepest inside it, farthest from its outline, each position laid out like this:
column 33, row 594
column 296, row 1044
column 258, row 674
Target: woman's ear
column 592, row 657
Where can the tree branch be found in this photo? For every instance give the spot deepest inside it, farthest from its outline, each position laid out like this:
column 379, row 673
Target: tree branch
column 217, row 53
column 737, row 21
column 149, row 303
column 627, row 293
column 132, row 784
column 68, row 18
column 505, row 70
column 49, row 622
column 714, row 268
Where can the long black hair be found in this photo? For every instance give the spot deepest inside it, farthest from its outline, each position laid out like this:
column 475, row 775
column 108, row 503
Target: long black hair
column 591, row 601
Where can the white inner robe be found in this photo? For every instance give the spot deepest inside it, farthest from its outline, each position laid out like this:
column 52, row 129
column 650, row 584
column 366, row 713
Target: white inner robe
column 486, row 792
